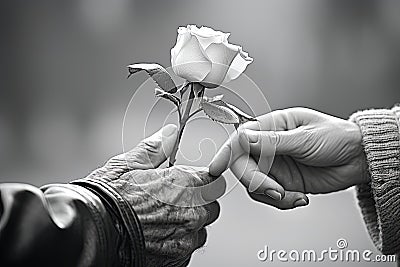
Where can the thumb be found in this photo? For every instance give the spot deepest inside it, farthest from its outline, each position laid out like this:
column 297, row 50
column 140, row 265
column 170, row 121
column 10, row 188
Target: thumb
column 148, row 154
column 153, row 150
column 269, row 143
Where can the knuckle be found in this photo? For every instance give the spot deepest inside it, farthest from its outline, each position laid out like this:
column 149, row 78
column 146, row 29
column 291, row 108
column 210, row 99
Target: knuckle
column 308, row 135
column 150, row 145
column 196, row 218
column 213, row 211
column 116, row 161
column 201, row 238
column 203, row 215
column 180, row 246
column 216, row 207
column 276, row 139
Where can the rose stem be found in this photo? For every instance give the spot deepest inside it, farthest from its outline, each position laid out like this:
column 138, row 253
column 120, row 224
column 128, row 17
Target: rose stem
column 182, row 124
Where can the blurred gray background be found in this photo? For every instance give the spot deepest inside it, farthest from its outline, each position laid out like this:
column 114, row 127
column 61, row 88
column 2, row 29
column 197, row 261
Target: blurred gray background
column 63, row 94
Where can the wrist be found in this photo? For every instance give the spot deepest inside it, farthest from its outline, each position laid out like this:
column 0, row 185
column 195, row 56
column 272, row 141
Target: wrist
column 361, row 159
column 363, row 165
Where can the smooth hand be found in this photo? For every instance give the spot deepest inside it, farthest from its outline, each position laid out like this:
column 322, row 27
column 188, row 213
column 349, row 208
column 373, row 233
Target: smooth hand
column 173, row 204
column 290, row 152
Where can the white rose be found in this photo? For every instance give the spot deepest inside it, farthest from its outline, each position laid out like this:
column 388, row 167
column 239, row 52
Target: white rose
column 204, row 55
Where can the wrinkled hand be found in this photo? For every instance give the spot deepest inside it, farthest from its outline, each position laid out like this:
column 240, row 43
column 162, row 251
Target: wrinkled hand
column 173, row 204
column 291, row 152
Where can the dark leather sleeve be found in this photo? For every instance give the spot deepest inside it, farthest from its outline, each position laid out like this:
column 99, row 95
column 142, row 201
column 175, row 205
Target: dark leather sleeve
column 132, row 249
column 57, row 225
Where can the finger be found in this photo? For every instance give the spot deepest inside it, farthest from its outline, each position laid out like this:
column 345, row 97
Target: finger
column 289, row 173
column 180, row 185
column 231, row 150
column 246, row 170
column 276, row 120
column 291, row 200
column 270, row 142
column 213, row 187
column 178, row 247
column 227, row 154
column 180, row 261
column 284, row 119
column 152, row 151
column 201, row 238
column 149, row 153
column 207, row 188
column 213, row 209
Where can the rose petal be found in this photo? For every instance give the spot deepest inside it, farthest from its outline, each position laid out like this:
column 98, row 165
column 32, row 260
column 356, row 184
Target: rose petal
column 183, row 37
column 238, row 65
column 205, row 32
column 204, row 55
column 221, row 56
column 207, row 36
column 190, row 62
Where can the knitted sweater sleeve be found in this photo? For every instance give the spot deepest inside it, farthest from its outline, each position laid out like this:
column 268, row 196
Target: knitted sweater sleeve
column 379, row 200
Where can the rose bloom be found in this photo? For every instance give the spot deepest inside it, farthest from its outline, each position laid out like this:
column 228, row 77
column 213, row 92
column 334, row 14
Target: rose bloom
column 205, row 55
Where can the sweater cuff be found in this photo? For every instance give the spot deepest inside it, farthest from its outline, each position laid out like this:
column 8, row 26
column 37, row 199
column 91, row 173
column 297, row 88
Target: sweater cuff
column 379, row 200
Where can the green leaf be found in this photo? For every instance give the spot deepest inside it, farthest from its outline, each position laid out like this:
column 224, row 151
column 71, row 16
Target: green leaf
column 217, row 101
column 243, row 117
column 219, row 113
column 160, row 93
column 157, row 72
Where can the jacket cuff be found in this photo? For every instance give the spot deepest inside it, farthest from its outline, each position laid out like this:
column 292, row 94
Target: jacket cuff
column 379, row 200
column 132, row 252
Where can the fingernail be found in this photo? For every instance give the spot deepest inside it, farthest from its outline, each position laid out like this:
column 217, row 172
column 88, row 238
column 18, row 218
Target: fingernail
column 300, row 202
column 169, row 130
column 253, row 136
column 273, row 194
